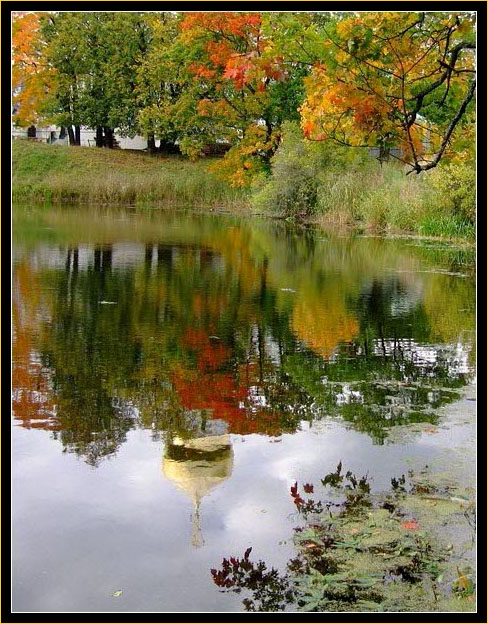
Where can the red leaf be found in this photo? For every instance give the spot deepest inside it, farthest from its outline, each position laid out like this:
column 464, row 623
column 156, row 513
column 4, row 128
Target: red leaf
column 411, row 525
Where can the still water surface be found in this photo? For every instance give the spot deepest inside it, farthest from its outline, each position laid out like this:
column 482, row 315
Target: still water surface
column 175, row 373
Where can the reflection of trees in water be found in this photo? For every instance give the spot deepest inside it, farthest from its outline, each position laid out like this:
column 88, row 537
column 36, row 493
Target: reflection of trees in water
column 194, row 331
column 32, row 400
column 388, row 374
column 92, row 427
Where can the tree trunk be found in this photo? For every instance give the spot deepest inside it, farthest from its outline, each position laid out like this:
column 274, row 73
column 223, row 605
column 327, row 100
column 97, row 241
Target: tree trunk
column 71, row 135
column 109, row 137
column 77, row 135
column 67, row 264
column 107, row 258
column 384, row 154
column 151, row 144
column 271, row 150
column 148, row 258
column 75, row 260
column 97, row 255
column 99, row 137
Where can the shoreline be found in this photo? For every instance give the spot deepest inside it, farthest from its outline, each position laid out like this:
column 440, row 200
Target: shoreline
column 77, row 176
column 242, row 210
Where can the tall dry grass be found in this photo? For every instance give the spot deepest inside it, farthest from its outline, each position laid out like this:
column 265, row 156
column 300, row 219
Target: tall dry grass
column 77, row 174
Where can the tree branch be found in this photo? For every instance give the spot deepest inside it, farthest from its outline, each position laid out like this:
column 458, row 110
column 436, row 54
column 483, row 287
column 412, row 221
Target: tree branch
column 417, row 167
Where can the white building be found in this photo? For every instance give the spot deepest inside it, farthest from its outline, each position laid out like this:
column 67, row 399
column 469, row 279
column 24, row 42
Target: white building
column 51, row 134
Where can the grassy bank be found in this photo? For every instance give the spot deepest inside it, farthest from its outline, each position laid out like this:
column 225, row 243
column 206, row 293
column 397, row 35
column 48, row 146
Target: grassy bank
column 309, row 182
column 83, row 174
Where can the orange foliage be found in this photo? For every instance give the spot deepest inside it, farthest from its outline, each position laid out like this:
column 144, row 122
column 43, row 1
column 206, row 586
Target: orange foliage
column 235, row 24
column 30, row 77
column 32, row 402
column 322, row 325
column 382, row 62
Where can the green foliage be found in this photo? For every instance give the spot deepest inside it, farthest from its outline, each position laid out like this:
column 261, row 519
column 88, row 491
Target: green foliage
column 455, row 183
column 364, row 553
column 95, row 56
column 161, row 80
column 392, row 79
column 345, row 186
column 190, row 79
column 249, row 79
column 292, row 188
column 301, row 170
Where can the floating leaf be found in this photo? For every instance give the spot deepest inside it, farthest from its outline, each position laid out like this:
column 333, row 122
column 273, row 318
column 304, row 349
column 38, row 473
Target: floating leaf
column 411, row 525
column 463, row 581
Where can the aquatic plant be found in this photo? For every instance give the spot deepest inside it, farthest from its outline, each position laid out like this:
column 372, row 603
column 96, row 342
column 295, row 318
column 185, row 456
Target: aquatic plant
column 359, row 552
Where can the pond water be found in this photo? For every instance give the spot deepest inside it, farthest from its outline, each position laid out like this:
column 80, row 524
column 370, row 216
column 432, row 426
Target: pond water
column 175, row 373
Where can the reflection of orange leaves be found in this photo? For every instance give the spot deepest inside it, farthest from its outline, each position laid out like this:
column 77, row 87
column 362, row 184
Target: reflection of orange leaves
column 210, row 386
column 32, row 401
column 194, row 338
column 226, row 397
column 212, row 391
column 198, row 304
column 322, row 325
column 210, row 355
column 213, row 356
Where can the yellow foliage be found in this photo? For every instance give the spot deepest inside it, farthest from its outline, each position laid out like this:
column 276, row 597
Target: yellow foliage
column 322, row 325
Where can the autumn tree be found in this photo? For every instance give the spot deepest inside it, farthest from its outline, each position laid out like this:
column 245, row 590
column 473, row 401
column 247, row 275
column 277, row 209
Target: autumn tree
column 367, row 79
column 393, row 79
column 239, row 89
column 30, row 75
column 65, row 54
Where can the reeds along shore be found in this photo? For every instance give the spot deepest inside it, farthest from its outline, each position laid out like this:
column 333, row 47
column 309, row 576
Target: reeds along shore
column 357, row 195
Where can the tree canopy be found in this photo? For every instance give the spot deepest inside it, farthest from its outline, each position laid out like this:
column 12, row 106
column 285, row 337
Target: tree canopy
column 393, row 80
column 403, row 80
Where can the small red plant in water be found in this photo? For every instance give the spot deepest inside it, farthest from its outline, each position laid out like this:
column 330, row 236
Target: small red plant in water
column 411, row 525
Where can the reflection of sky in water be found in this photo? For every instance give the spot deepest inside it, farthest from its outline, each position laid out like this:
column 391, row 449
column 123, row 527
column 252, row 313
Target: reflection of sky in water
column 125, row 526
